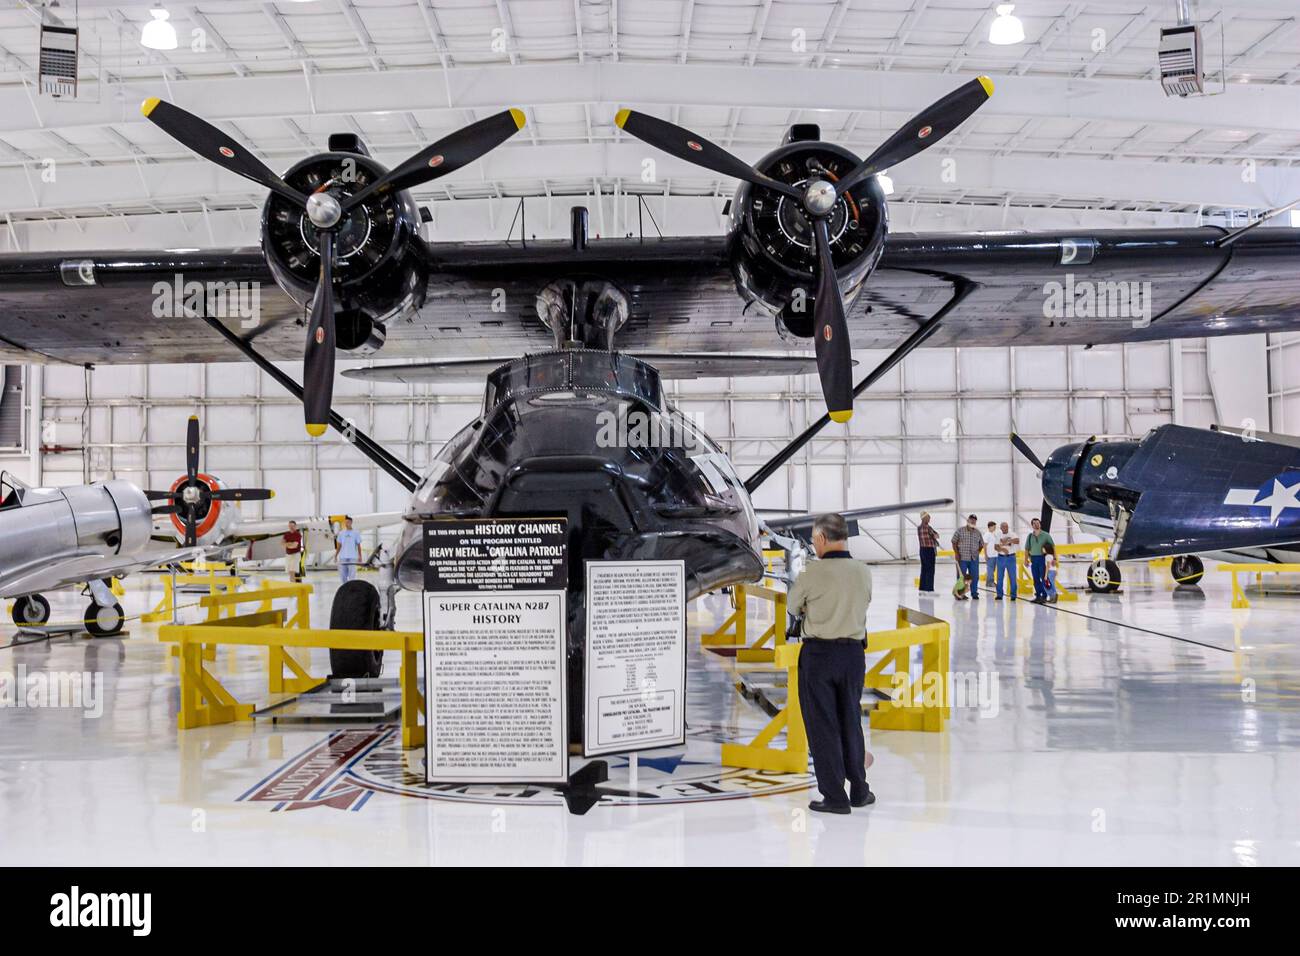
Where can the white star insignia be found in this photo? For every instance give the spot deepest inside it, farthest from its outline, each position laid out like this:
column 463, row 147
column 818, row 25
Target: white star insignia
column 1281, row 499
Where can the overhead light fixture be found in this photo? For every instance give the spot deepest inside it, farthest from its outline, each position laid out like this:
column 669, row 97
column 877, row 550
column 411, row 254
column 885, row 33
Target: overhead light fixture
column 158, row 34
column 886, row 183
column 1005, row 28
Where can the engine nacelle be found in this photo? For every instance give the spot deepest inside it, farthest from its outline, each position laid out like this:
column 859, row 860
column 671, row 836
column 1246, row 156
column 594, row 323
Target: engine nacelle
column 380, row 267
column 771, row 243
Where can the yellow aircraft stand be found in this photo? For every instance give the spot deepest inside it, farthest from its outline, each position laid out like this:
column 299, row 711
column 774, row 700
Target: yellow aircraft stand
column 205, row 701
column 759, row 754
column 216, row 577
column 1259, row 569
column 734, row 630
column 921, row 705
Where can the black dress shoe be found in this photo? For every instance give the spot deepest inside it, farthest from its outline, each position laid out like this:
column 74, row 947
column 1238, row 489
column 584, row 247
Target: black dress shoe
column 866, row 801
column 821, row 806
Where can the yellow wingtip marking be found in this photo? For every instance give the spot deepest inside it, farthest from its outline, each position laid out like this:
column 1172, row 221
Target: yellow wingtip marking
column 147, row 106
column 620, row 118
column 843, row 416
column 519, row 118
column 315, row 431
column 987, row 84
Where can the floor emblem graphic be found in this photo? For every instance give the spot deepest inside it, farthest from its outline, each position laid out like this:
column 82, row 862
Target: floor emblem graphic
column 348, row 767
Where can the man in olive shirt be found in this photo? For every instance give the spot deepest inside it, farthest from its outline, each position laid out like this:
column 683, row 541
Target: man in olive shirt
column 832, row 594
column 1034, row 544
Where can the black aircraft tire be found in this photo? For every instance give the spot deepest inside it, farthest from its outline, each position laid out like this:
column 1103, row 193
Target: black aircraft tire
column 104, row 621
column 1187, row 570
column 1103, row 577
column 356, row 608
column 32, row 609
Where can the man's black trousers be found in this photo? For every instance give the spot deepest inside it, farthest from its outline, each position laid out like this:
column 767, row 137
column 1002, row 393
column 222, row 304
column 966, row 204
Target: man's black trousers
column 927, row 569
column 830, row 698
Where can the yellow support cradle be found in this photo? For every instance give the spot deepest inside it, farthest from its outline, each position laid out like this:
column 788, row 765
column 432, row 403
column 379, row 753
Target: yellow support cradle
column 922, row 704
column 205, row 701
column 1259, row 569
column 919, row 705
column 734, row 631
column 217, row 582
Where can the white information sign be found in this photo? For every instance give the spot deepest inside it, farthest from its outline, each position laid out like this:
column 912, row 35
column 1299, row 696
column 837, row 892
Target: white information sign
column 494, row 687
column 636, row 656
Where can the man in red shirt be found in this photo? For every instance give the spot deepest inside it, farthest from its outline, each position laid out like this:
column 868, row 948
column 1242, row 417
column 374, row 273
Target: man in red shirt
column 293, row 552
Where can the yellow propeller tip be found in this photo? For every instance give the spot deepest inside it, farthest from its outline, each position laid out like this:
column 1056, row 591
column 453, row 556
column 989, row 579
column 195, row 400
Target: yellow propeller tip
column 987, row 84
column 147, row 106
column 315, row 431
column 194, row 418
column 273, row 494
column 620, row 118
column 518, row 117
column 843, row 416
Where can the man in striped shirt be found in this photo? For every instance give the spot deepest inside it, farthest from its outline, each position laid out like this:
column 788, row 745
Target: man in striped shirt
column 928, row 540
column 967, row 543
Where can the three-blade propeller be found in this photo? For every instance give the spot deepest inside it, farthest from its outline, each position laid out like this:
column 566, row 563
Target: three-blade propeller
column 818, row 200
column 327, row 209
column 192, row 496
column 1045, row 517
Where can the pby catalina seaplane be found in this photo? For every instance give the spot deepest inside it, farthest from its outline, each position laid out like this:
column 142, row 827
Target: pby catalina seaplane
column 807, row 256
column 1178, row 492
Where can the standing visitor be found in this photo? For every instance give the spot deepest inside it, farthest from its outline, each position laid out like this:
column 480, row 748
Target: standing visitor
column 1007, row 548
column 1034, row 545
column 348, row 547
column 928, row 539
column 967, row 543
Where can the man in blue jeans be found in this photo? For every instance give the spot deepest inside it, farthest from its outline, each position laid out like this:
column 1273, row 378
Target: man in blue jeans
column 348, row 545
column 967, row 543
column 1007, row 543
column 1035, row 544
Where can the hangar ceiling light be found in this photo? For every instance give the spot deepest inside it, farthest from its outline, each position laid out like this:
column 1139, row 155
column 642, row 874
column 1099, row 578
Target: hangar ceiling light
column 1006, row 29
column 158, row 34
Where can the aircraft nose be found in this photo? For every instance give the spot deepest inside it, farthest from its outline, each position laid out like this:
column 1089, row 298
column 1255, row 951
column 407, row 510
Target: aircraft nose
column 1058, row 476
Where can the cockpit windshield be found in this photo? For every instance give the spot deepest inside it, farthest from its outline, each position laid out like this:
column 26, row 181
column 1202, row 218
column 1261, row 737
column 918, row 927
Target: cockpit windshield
column 11, row 490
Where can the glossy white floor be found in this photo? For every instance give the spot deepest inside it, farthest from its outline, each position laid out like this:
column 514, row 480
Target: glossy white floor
column 1122, row 729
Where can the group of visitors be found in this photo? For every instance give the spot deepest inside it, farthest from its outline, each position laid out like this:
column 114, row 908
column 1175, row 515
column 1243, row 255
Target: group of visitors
column 998, row 546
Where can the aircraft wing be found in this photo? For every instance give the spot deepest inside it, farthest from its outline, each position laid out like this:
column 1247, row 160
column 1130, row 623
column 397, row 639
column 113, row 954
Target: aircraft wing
column 266, row 537
column 53, row 575
column 800, row 525
column 120, row 307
